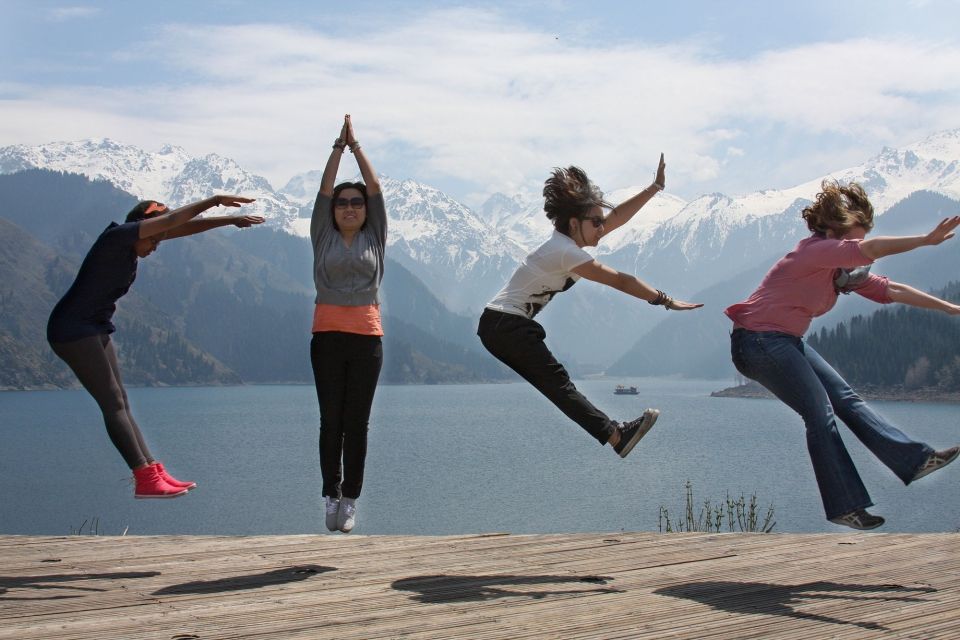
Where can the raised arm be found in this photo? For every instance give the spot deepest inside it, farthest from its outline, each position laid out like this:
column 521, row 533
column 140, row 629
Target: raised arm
column 167, row 222
column 198, row 226
column 881, row 246
column 631, row 285
column 366, row 169
column 622, row 213
column 333, row 162
column 906, row 294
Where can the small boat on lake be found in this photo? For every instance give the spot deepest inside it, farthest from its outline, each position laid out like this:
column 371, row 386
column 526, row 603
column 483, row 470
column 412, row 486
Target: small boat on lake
column 624, row 390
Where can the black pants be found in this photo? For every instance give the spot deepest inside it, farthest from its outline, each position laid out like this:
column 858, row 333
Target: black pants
column 346, row 367
column 519, row 343
column 94, row 361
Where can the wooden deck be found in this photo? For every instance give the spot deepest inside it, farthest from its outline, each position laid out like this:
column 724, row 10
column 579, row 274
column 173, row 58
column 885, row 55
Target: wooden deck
column 599, row 586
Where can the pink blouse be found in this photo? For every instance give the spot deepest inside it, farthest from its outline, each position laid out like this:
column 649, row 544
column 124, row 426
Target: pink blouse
column 799, row 287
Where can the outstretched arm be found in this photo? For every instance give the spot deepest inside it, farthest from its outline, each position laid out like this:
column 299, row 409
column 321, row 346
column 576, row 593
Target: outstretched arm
column 333, row 162
column 622, row 213
column 906, row 294
column 169, row 221
column 630, row 285
column 198, row 226
column 366, row 169
column 881, row 246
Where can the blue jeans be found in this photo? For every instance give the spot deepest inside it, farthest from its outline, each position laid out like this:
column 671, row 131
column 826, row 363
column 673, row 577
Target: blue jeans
column 803, row 380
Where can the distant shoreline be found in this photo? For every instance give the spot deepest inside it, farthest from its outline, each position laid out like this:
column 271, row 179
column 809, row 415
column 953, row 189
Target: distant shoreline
column 895, row 394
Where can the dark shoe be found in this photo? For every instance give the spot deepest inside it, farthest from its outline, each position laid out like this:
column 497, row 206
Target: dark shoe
column 937, row 460
column 859, row 519
column 631, row 432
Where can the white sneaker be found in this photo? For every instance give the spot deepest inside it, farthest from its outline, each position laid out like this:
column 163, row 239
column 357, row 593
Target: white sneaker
column 347, row 516
column 333, row 510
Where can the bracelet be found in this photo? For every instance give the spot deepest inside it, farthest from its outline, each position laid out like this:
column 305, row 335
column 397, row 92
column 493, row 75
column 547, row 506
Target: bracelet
column 656, row 186
column 355, row 146
column 661, row 299
column 339, row 144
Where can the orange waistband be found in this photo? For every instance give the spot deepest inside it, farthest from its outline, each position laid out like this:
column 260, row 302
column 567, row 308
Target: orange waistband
column 364, row 320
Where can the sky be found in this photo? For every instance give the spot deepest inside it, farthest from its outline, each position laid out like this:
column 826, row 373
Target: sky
column 482, row 97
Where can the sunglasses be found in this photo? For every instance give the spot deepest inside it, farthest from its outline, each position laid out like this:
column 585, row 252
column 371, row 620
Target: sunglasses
column 596, row 221
column 355, row 203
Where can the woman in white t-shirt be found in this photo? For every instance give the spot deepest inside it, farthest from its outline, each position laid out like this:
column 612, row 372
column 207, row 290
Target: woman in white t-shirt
column 507, row 328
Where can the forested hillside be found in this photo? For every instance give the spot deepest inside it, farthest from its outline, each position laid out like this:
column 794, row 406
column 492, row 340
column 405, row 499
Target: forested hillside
column 897, row 346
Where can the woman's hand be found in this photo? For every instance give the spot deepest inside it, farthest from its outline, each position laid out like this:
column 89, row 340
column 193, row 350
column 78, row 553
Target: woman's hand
column 680, row 305
column 661, row 179
column 231, row 201
column 943, row 231
column 242, row 222
column 348, row 126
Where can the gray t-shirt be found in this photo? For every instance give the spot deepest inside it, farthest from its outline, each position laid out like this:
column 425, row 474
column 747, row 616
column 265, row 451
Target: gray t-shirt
column 542, row 274
column 348, row 276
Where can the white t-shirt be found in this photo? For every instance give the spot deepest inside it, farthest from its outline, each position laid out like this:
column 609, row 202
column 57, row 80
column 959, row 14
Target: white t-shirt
column 542, row 274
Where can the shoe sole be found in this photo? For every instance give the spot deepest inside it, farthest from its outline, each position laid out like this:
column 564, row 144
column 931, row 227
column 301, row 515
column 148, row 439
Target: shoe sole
column 855, row 528
column 650, row 418
column 167, row 495
column 924, row 474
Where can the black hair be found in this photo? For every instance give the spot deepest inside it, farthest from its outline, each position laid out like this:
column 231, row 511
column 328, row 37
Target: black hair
column 139, row 212
column 359, row 186
column 568, row 194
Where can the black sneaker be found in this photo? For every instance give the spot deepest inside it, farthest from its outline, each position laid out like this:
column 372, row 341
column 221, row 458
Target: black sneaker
column 937, row 460
column 631, row 432
column 859, row 519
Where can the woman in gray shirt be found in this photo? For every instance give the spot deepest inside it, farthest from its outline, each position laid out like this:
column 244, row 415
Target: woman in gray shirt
column 349, row 234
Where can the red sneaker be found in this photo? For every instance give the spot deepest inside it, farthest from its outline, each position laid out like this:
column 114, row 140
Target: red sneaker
column 150, row 484
column 173, row 482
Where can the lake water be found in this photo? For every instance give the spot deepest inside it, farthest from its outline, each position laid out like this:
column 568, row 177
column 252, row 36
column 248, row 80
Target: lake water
column 442, row 460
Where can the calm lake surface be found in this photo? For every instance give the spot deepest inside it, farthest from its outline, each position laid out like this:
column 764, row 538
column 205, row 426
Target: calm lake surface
column 442, row 460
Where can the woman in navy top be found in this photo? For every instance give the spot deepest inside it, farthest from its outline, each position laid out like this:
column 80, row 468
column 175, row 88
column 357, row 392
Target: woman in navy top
column 81, row 323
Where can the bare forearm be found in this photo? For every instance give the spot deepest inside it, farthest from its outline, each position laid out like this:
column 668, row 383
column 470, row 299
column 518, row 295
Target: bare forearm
column 623, row 212
column 890, row 245
column 634, row 286
column 905, row 294
column 198, row 226
column 168, row 222
column 366, row 170
column 330, row 171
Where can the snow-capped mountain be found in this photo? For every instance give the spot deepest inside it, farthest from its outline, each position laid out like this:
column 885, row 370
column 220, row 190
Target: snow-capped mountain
column 169, row 175
column 466, row 256
column 463, row 259
column 716, row 236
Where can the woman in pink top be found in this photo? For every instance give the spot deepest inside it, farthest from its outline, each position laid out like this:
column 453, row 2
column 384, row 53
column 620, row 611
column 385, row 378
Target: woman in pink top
column 767, row 345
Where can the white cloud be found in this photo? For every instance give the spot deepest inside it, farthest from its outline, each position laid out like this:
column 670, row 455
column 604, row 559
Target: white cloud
column 495, row 104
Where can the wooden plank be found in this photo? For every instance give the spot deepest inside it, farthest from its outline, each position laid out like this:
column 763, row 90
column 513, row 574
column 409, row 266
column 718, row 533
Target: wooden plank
column 624, row 585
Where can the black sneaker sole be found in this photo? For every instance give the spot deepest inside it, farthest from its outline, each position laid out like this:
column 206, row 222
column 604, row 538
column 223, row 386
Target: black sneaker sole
column 649, row 419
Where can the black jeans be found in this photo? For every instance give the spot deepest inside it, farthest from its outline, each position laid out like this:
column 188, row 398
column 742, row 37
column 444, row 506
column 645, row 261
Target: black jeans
column 518, row 342
column 94, row 361
column 346, row 367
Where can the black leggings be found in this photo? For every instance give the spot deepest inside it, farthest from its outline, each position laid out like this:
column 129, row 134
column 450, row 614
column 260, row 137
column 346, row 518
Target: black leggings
column 94, row 361
column 519, row 343
column 346, row 367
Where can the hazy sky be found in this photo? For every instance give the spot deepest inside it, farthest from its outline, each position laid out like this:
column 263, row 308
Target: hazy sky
column 478, row 97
